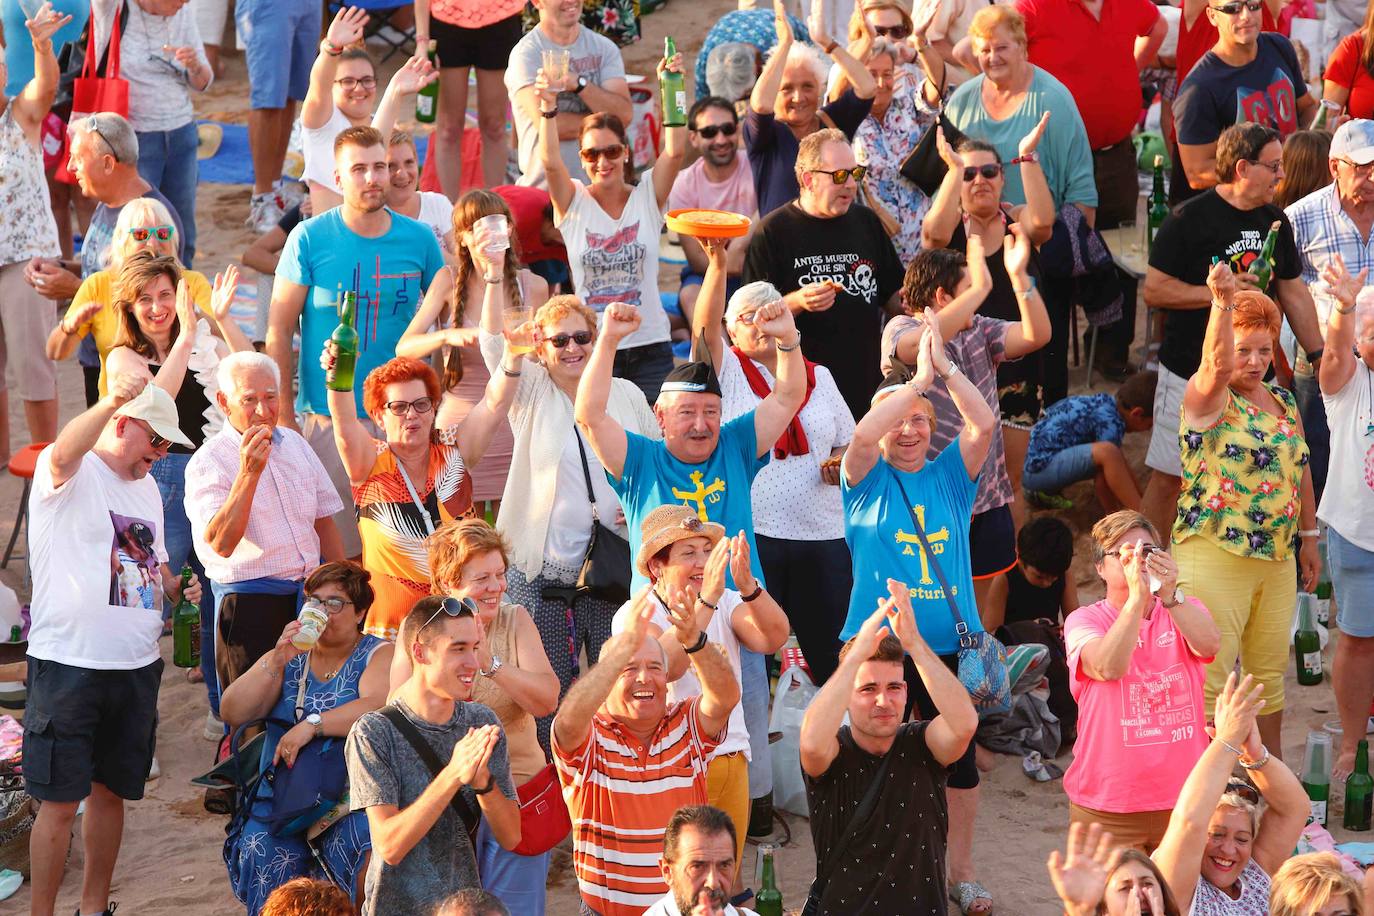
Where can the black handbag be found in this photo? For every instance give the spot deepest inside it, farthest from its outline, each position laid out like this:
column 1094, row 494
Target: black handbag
column 923, row 166
column 606, row 572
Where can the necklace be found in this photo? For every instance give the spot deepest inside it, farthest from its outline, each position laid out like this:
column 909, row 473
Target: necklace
column 330, row 675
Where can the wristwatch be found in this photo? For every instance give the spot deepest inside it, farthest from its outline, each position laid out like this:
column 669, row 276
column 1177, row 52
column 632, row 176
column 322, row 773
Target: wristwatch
column 1174, row 600
column 314, row 720
column 495, row 667
column 582, row 82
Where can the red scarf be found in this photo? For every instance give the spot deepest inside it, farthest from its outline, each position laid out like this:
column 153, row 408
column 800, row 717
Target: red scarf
column 793, row 439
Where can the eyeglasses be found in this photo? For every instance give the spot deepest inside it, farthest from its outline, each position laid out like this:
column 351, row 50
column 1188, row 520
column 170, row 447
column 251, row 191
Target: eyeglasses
column 895, row 32
column 161, row 233
column 840, row 176
column 1271, row 166
column 330, row 605
column 1234, row 7
column 156, row 441
column 989, row 171
column 349, row 83
column 710, row 130
column 581, row 338
column 1364, row 170
column 454, row 607
column 1143, row 548
column 614, row 151
column 400, row 408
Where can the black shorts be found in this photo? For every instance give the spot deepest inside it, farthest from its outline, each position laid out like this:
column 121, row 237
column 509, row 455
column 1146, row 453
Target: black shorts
column 487, row 48
column 1020, row 403
column 992, row 542
column 82, row 726
column 963, row 773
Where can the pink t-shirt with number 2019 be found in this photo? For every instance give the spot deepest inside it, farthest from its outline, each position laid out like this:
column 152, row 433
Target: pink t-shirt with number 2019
column 1139, row 736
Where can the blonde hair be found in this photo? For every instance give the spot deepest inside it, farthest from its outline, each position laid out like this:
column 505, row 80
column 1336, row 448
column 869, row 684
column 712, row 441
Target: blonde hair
column 1232, row 800
column 990, row 18
column 457, row 543
column 556, row 308
column 1113, row 527
column 856, row 19
column 1309, row 882
column 138, row 213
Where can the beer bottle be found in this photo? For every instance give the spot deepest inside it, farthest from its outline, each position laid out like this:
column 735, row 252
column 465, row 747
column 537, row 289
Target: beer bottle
column 673, row 90
column 427, row 99
column 768, row 901
column 1307, row 646
column 1159, row 205
column 1316, row 774
column 1323, row 592
column 1359, row 791
column 186, row 628
column 345, row 339
column 1262, row 267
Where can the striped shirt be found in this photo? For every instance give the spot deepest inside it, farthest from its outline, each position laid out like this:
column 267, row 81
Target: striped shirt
column 621, row 792
column 1322, row 229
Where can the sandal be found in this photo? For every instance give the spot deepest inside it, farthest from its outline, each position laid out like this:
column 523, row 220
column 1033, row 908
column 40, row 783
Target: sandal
column 966, row 893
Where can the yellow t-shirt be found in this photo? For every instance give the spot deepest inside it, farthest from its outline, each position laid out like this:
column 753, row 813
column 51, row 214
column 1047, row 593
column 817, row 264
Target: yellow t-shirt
column 99, row 287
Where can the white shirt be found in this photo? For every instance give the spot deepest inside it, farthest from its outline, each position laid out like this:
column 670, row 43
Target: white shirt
column 159, row 88
column 317, row 146
column 720, row 631
column 791, row 502
column 1347, row 503
column 436, row 212
column 667, row 906
column 97, row 590
column 570, row 521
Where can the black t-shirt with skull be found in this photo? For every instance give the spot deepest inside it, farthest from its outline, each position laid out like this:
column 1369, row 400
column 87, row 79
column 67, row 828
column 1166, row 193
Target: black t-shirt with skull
column 792, row 249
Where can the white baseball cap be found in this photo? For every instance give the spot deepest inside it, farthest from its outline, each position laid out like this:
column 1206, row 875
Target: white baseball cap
column 155, row 407
column 1354, row 140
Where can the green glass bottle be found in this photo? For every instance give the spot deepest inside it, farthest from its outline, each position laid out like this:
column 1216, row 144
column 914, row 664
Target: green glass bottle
column 1326, row 111
column 345, row 339
column 1262, row 267
column 1307, row 646
column 427, row 99
column 673, row 90
column 1359, row 792
column 186, row 628
column 1158, row 204
column 1323, row 591
column 768, row 901
column 1316, row 774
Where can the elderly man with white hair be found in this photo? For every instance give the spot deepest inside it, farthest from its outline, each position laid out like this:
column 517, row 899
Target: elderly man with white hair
column 260, row 504
column 784, row 106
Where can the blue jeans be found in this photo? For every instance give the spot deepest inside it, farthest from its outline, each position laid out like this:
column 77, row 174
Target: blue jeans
column 519, row 881
column 646, row 366
column 170, row 475
column 754, row 697
column 167, row 161
column 1313, row 412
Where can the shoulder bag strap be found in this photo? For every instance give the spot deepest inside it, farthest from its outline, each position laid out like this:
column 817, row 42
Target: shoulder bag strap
column 586, row 474
column 430, row 759
column 860, row 817
column 414, row 497
column 961, row 628
column 300, row 691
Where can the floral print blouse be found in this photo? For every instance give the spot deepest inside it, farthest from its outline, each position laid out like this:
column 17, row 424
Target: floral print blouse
column 883, row 146
column 1242, row 479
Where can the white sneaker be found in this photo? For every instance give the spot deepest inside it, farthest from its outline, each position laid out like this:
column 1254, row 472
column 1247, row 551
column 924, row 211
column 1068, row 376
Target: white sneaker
column 214, row 728
column 154, row 771
column 265, row 211
column 290, row 192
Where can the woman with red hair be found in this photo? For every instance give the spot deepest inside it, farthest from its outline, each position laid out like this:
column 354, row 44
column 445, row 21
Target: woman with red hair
column 1247, row 499
column 416, row 479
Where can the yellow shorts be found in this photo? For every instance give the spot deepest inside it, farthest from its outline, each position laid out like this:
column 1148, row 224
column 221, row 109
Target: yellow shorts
column 1252, row 600
column 727, row 788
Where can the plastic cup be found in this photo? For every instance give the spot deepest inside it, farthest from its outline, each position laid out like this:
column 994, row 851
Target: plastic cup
column 313, row 621
column 514, row 316
column 556, row 62
column 496, row 230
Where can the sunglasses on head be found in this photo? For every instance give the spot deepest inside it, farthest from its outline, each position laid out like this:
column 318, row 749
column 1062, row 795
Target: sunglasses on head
column 581, row 338
column 614, row 151
column 989, row 171
column 1235, row 6
column 454, row 607
column 840, row 176
column 895, row 32
column 1242, row 788
column 161, row 233
column 710, row 130
column 401, row 408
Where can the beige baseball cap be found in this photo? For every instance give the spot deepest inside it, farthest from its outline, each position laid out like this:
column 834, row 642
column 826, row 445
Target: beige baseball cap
column 156, row 408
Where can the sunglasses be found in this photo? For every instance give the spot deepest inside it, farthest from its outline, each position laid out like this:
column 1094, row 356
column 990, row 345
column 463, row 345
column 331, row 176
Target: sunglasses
column 1235, row 6
column 330, row 605
column 989, row 171
column 350, row 83
column 581, row 338
column 154, row 439
column 1243, row 789
column 143, row 233
column 710, row 130
column 840, row 176
column 454, row 607
column 401, row 408
column 895, row 32
column 614, row 151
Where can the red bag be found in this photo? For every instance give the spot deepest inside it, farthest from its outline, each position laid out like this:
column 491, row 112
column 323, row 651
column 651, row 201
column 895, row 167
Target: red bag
column 544, row 820
column 92, row 93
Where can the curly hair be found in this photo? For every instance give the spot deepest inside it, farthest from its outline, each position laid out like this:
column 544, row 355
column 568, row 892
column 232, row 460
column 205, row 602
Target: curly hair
column 139, row 271
column 1255, row 312
column 931, row 270
column 307, row 897
column 471, row 207
column 457, row 543
column 394, row 370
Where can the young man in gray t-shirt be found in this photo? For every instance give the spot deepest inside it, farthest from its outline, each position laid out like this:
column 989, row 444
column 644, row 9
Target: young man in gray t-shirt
column 421, row 852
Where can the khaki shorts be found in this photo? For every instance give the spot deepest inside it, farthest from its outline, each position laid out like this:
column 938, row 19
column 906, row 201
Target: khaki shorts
column 1163, row 455
column 26, row 320
column 1141, row 830
column 318, row 430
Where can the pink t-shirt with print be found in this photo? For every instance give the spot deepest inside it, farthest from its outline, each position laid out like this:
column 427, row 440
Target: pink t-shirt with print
column 1139, row 736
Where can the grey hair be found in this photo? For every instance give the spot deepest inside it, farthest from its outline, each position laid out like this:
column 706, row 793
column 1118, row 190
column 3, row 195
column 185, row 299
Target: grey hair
column 730, row 70
column 1228, row 800
column 808, row 55
column 244, row 361
column 883, row 46
column 117, row 133
column 472, row 901
column 751, row 295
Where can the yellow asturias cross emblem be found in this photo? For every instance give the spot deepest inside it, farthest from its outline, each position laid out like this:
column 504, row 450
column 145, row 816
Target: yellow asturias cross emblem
column 701, row 494
column 934, row 537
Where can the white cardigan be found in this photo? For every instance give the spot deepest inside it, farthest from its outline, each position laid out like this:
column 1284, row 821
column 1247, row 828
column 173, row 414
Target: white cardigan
column 541, row 418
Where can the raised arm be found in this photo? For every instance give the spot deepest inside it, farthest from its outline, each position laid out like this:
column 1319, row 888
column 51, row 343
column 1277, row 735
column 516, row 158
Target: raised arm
column 669, row 161
column 1037, row 215
column 979, row 420
column 940, row 221
column 1033, row 330
column 555, row 172
column 765, row 91
column 894, row 408
column 860, row 80
column 173, row 371
column 477, row 429
column 709, row 310
column 949, row 733
column 346, row 29
column 222, row 292
column 776, row 410
column 357, row 448
column 414, row 75
column 1338, row 362
column 572, row 724
column 1294, row 299
column 1205, row 397
column 283, row 317
column 821, row 725
column 81, row 434
column 607, row 437
column 34, row 101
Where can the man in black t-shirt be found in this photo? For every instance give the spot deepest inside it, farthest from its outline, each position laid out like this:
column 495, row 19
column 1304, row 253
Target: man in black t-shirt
column 835, row 266
column 1229, row 221
column 893, row 864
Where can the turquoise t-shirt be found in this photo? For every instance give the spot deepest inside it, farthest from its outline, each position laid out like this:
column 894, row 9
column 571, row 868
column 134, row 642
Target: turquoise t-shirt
column 390, row 275
column 1064, row 152
column 720, row 488
column 878, row 529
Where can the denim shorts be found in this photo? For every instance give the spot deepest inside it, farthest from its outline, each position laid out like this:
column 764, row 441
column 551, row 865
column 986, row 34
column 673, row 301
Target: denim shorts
column 1352, row 580
column 281, row 39
column 1066, row 467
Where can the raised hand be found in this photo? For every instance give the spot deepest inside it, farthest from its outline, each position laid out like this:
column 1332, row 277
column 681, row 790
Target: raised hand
column 925, row 363
column 255, row 449
column 415, row 74
column 472, row 753
column 900, row 617
column 86, row 314
column 781, row 27
column 126, row 386
column 740, row 569
column 186, row 311
column 1222, row 282
column 680, row 606
column 619, row 321
column 1031, row 140
column 1080, row 876
column 1137, row 575
column 978, row 274
column 713, row 576
column 1237, row 707
column 1016, row 251
column 871, row 632
column 922, row 17
column 717, row 251
column 285, row 650
column 775, row 320
column 222, row 293
column 947, row 153
column 44, row 24
column 939, row 361
column 1343, row 286
column 347, row 27
column 815, row 24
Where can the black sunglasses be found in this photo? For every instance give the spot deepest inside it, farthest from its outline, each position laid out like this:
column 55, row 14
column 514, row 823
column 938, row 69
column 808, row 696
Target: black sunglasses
column 454, row 607
column 581, row 338
column 988, row 171
column 840, row 176
column 1243, row 789
column 710, row 130
column 154, row 439
column 1234, row 7
column 895, row 32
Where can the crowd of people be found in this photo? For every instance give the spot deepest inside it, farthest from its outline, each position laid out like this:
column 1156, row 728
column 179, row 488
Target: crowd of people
column 501, row 568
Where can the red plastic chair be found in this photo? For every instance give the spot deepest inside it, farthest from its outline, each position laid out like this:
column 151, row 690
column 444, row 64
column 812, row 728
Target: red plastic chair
column 22, row 465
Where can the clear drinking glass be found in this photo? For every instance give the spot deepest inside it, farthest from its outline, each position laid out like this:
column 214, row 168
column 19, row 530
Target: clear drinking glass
column 556, row 61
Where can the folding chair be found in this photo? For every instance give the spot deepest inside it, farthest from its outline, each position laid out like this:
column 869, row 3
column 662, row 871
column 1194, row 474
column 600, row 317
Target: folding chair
column 378, row 14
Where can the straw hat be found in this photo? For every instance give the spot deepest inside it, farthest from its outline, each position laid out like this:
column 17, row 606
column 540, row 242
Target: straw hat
column 667, row 525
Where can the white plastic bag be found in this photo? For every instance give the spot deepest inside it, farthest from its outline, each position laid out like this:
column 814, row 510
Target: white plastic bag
column 795, row 692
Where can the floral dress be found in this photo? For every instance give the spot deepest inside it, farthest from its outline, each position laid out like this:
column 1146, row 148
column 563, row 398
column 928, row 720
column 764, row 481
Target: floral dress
column 1242, row 479
column 884, row 145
